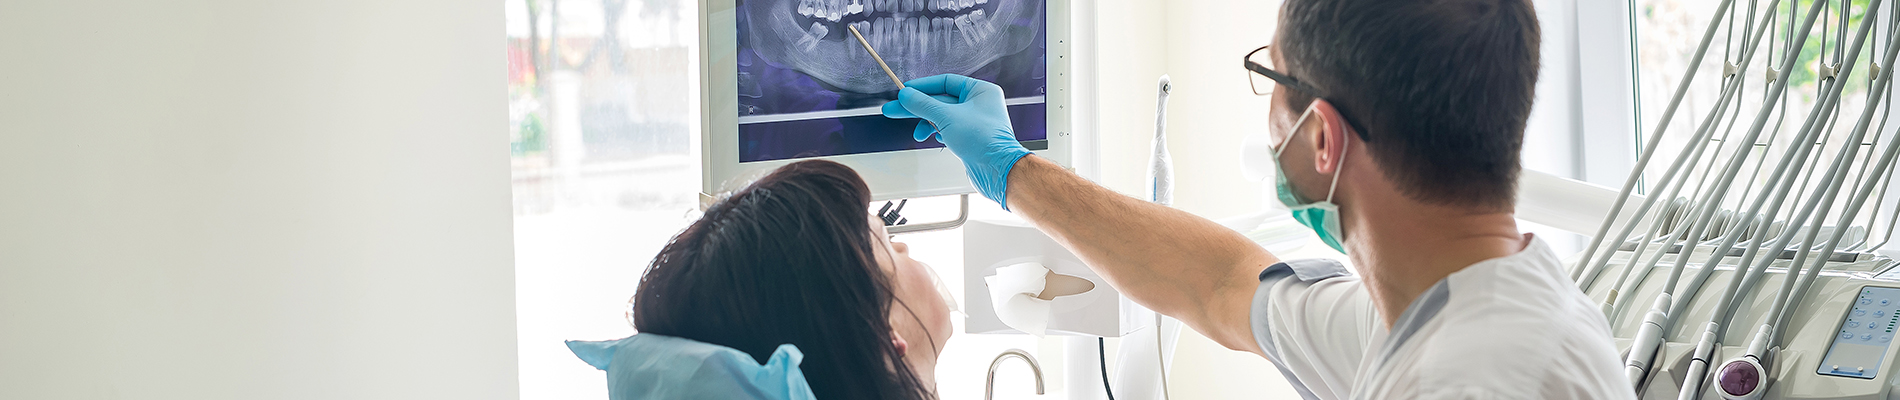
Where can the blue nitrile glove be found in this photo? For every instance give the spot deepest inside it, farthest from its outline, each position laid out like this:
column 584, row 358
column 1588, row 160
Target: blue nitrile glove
column 971, row 121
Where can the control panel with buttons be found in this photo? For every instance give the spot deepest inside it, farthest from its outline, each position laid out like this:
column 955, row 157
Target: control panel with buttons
column 1861, row 344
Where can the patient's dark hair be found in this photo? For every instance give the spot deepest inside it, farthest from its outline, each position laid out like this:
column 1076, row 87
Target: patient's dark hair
column 788, row 259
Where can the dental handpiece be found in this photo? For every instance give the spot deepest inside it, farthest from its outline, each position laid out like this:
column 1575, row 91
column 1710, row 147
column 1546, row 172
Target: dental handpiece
column 880, row 63
column 1161, row 165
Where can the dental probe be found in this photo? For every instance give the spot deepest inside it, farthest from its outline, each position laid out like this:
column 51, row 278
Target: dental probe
column 880, row 63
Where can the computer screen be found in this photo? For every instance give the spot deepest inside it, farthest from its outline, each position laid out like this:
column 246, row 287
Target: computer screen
column 807, row 88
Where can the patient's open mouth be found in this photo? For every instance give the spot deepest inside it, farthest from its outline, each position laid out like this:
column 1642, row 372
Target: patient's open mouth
column 917, row 38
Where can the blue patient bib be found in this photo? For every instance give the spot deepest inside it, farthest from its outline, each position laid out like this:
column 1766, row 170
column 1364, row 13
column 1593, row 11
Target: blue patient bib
column 649, row 366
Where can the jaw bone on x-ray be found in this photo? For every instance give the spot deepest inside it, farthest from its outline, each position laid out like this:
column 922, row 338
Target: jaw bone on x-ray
column 808, row 89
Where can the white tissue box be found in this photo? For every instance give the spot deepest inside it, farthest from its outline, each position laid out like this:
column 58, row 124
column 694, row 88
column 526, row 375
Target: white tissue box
column 992, row 244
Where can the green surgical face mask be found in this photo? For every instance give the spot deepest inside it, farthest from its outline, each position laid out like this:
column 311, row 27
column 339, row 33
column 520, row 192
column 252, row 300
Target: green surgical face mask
column 1321, row 216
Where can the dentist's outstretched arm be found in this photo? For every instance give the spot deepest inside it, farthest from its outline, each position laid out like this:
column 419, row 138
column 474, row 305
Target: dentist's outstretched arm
column 1173, row 262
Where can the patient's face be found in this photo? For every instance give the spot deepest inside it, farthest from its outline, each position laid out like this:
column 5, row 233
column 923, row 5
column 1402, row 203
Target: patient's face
column 916, row 286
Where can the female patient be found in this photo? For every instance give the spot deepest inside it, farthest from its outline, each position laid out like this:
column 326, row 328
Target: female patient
column 793, row 259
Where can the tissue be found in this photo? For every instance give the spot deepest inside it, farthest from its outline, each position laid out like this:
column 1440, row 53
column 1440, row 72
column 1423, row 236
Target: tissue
column 1015, row 291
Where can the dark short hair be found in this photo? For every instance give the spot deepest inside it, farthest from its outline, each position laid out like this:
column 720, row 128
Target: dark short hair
column 790, row 258
column 1442, row 87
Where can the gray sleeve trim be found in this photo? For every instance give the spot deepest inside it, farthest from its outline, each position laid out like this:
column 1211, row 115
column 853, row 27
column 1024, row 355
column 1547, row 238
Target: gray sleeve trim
column 1309, row 270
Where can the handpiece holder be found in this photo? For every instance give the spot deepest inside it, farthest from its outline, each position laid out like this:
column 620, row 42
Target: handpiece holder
column 963, row 215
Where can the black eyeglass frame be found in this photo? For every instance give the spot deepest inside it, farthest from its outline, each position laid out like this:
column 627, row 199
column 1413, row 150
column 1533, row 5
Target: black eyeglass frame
column 1289, row 81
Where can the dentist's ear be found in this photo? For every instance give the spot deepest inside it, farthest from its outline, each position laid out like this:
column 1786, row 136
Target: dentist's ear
column 1330, row 143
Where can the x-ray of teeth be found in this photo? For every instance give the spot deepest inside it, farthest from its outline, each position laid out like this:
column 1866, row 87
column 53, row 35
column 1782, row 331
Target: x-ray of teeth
column 807, row 88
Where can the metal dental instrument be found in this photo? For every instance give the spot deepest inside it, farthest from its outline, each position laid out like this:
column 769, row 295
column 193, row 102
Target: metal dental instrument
column 880, row 63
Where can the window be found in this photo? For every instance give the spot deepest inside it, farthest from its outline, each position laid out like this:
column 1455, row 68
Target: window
column 604, row 169
column 1667, row 33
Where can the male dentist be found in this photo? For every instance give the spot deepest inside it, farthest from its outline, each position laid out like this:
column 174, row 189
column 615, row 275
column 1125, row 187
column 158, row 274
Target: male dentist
column 1396, row 126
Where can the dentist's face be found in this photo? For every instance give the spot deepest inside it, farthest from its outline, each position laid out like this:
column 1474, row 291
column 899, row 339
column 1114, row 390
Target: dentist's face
column 1280, row 115
column 922, row 314
column 1297, row 158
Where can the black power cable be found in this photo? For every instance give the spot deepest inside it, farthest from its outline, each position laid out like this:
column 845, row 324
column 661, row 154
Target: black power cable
column 1101, row 353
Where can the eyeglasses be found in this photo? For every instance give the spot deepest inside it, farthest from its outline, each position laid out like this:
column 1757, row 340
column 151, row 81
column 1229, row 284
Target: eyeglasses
column 1263, row 79
column 1260, row 62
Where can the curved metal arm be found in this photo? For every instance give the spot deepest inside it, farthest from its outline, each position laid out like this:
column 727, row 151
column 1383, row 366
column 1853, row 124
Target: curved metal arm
column 989, row 381
column 963, row 215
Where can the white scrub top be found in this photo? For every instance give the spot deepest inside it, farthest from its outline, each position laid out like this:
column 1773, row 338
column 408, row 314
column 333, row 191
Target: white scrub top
column 1513, row 327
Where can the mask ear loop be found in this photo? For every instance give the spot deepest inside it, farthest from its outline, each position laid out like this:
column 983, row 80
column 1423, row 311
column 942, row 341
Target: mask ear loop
column 1344, row 146
column 1289, row 136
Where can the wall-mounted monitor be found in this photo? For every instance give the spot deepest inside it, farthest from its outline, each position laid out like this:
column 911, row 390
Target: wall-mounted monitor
column 784, row 80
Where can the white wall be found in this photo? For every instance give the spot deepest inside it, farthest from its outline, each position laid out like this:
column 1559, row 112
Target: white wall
column 1212, row 108
column 1200, row 48
column 1131, row 50
column 229, row 199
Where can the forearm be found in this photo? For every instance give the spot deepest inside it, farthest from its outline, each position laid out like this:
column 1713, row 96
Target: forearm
column 1168, row 260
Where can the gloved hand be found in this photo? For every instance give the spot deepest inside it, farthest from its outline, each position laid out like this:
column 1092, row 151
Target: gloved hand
column 970, row 120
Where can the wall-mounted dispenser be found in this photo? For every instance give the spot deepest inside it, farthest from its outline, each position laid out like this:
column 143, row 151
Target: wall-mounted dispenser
column 1043, row 288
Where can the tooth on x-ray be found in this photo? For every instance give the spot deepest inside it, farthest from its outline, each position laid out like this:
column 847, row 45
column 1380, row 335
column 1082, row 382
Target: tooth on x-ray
column 958, row 37
column 980, row 25
column 810, row 40
column 964, row 28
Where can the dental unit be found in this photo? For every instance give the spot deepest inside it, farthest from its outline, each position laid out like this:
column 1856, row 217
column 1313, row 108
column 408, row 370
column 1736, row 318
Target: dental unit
column 1805, row 304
